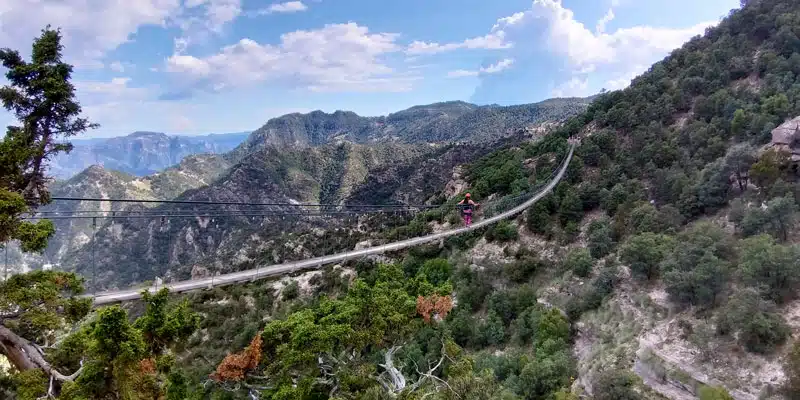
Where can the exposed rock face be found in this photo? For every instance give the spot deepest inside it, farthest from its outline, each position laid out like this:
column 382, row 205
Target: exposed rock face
column 787, row 137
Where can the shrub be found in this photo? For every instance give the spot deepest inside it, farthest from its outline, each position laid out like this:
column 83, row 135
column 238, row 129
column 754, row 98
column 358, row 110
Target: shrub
column 615, row 385
column 579, row 261
column 291, row 291
column 503, row 231
column 714, row 393
column 599, row 237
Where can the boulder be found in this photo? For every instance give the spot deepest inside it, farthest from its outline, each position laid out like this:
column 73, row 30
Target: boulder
column 787, row 137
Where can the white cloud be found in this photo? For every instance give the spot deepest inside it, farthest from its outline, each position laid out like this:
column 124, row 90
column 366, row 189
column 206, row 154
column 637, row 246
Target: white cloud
column 286, row 7
column 601, row 25
column 338, row 57
column 198, row 19
column 492, row 69
column 575, row 87
column 565, row 36
column 90, row 27
column 493, row 40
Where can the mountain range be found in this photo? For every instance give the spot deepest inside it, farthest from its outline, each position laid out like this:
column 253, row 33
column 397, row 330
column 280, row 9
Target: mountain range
column 140, row 153
column 315, row 157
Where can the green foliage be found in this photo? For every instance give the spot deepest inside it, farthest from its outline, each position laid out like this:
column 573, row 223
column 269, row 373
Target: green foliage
column 502, row 231
column 31, row 384
column 698, row 269
column 592, row 296
column 600, row 239
column 777, row 219
column 713, row 393
column 570, row 208
column 42, row 99
column 754, row 322
column 162, row 328
column 522, row 269
column 645, row 252
column 492, row 332
column 579, row 261
column 436, row 271
column 42, row 302
column 615, row 385
column 369, row 315
column 769, row 168
column 291, row 291
column 773, row 267
column 538, row 218
column 791, row 369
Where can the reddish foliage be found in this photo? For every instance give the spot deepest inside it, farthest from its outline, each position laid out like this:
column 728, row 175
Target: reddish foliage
column 235, row 366
column 434, row 305
column 147, row 366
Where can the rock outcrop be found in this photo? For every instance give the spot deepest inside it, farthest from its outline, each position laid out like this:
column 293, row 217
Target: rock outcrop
column 787, row 137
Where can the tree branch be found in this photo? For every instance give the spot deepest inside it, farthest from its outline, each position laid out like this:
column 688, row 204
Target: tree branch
column 25, row 355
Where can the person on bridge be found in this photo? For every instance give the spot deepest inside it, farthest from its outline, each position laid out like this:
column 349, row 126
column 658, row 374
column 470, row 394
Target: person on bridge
column 467, row 206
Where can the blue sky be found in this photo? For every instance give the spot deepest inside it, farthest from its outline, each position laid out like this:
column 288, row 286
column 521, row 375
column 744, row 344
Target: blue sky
column 203, row 66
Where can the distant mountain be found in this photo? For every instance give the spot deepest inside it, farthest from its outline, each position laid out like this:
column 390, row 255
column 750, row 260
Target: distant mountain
column 453, row 121
column 140, row 153
column 192, row 172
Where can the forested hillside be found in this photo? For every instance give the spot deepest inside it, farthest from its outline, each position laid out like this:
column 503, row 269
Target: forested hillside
column 665, row 265
column 669, row 249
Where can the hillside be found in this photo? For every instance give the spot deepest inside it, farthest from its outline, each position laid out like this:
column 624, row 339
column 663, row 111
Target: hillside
column 334, row 173
column 453, row 121
column 664, row 266
column 140, row 153
column 97, row 182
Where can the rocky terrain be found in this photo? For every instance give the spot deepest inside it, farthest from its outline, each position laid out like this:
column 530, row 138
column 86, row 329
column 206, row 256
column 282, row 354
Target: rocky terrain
column 308, row 158
column 445, row 122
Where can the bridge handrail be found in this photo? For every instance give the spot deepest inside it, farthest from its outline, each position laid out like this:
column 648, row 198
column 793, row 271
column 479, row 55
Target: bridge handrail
column 289, row 267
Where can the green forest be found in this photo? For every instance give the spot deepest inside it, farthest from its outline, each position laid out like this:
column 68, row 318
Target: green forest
column 671, row 183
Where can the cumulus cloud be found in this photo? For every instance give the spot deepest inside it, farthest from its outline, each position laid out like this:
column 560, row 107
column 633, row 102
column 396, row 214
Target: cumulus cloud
column 337, row 57
column 286, row 7
column 491, row 69
column 549, row 34
column 582, row 48
column 90, row 27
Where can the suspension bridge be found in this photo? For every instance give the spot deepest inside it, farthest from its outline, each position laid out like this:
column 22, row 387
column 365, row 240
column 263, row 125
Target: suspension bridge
column 262, row 272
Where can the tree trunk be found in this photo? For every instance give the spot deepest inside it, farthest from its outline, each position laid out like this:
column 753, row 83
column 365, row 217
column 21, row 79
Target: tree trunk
column 25, row 356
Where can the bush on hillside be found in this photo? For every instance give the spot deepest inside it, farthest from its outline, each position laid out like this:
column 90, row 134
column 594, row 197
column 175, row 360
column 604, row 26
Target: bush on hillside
column 599, row 237
column 753, row 321
column 615, row 385
column 502, row 231
column 579, row 261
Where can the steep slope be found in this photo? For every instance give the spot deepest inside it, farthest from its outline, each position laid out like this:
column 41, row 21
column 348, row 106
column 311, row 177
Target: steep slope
column 680, row 287
column 97, row 182
column 127, row 249
column 433, row 123
column 671, row 246
column 140, row 153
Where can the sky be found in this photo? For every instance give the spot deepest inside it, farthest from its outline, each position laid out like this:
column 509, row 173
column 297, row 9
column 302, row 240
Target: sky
column 213, row 66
